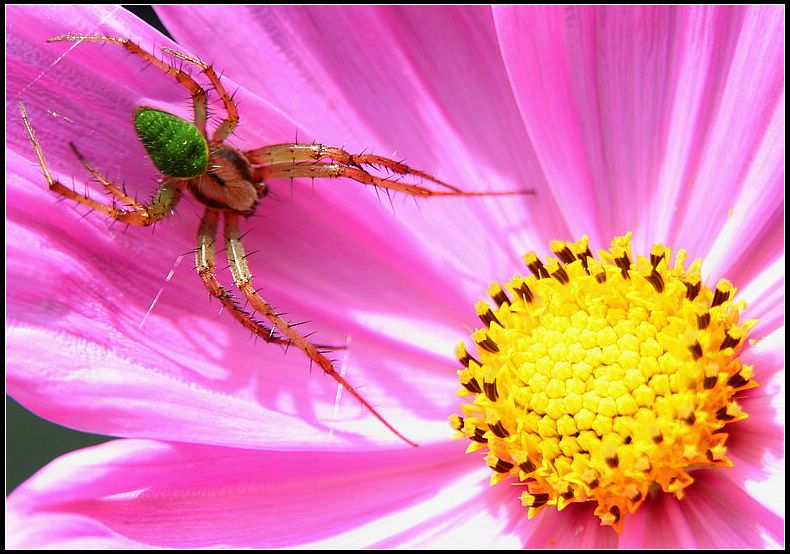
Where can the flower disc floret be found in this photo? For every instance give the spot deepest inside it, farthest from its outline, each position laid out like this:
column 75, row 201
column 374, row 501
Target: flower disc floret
column 604, row 380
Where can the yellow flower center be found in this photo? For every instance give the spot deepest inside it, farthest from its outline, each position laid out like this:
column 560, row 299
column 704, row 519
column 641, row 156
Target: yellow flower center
column 604, row 379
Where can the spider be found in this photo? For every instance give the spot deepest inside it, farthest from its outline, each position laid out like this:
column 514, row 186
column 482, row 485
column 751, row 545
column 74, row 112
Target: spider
column 229, row 183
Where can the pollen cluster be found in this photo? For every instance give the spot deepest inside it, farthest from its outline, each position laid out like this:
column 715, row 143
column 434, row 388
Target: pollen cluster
column 605, row 379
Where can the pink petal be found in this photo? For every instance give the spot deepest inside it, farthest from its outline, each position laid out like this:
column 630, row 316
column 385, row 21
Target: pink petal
column 148, row 494
column 763, row 432
column 752, row 233
column 183, row 354
column 626, row 130
column 575, row 527
column 765, row 295
column 536, row 47
column 358, row 73
column 400, row 285
column 738, row 136
column 186, row 374
column 709, row 509
column 151, row 494
column 425, row 83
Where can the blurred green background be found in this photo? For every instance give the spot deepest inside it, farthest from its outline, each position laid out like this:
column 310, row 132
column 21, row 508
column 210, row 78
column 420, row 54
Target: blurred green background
column 32, row 442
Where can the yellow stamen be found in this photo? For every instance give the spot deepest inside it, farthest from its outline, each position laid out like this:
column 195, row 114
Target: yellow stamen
column 604, row 379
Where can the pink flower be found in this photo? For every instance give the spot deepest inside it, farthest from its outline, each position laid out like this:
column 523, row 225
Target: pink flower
column 665, row 121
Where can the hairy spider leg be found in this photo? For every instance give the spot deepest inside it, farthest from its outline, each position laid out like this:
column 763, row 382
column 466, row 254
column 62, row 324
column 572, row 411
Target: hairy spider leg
column 206, row 268
column 198, row 94
column 225, row 129
column 321, row 170
column 244, row 281
column 307, row 152
column 160, row 206
column 294, row 160
column 109, row 187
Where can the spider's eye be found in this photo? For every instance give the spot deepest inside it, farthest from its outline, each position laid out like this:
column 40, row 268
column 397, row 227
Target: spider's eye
column 176, row 147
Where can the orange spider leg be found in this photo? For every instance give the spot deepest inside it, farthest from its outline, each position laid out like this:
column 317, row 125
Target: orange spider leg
column 184, row 78
column 109, row 187
column 205, row 264
column 228, row 124
column 141, row 215
column 293, row 160
column 305, row 152
column 243, row 278
column 319, row 170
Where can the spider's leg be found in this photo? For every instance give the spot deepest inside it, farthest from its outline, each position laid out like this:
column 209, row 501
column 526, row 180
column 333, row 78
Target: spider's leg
column 159, row 208
column 206, row 268
column 293, row 160
column 306, row 152
column 318, row 170
column 243, row 278
column 229, row 123
column 184, row 78
column 109, row 187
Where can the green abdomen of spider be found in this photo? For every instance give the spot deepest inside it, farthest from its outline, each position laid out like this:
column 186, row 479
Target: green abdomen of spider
column 175, row 145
